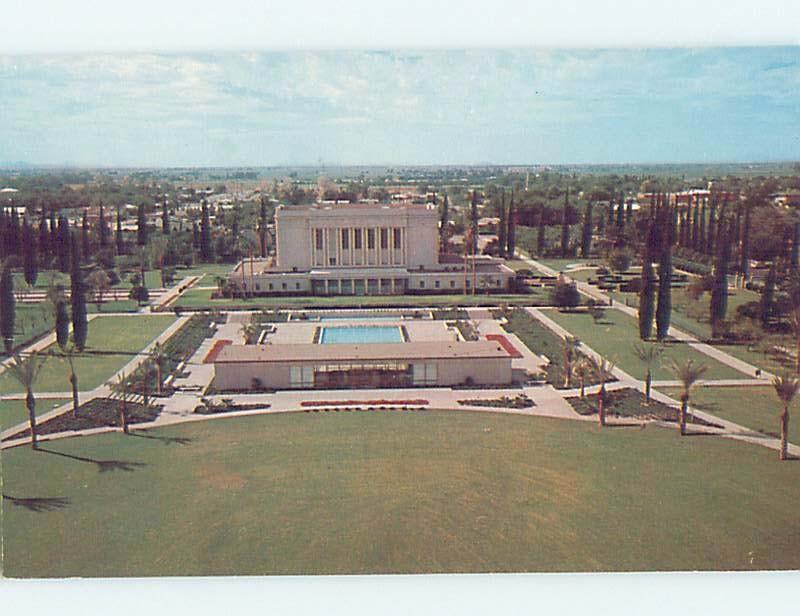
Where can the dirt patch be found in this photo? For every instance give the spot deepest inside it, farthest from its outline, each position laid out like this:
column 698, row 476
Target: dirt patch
column 215, row 476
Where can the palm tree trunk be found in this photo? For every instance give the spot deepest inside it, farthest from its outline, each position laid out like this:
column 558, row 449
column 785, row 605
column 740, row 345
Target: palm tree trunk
column 583, row 386
column 797, row 363
column 158, row 376
column 647, row 384
column 785, row 433
column 682, row 417
column 123, row 416
column 601, row 409
column 30, row 403
column 75, row 402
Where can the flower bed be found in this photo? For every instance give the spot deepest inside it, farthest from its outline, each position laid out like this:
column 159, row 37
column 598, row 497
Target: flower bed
column 324, row 403
column 520, row 401
column 96, row 413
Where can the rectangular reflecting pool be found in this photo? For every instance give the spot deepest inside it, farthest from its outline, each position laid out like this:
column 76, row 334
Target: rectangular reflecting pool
column 361, row 334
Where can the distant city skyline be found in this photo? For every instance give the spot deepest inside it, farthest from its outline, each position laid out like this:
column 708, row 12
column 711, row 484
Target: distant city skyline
column 402, row 108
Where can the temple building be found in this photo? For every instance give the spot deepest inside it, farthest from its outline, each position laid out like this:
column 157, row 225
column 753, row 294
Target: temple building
column 365, row 249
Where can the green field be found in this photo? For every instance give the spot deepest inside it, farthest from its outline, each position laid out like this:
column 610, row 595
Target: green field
column 13, row 412
column 397, row 492
column 615, row 336
column 201, row 298
column 123, row 336
column 753, row 407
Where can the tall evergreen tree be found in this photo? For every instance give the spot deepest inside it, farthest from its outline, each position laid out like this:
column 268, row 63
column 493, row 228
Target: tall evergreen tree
column 621, row 211
column 119, row 238
column 165, row 224
column 696, row 224
column 511, row 234
column 195, row 236
column 444, row 223
column 647, row 285
column 262, row 227
column 85, row 251
column 586, row 235
column 744, row 256
column 767, row 303
column 62, row 323
column 541, row 235
column 206, row 250
column 30, row 254
column 102, row 228
column 63, row 245
column 502, row 225
column 664, row 308
column 44, row 238
column 473, row 222
column 53, row 231
column 703, row 242
column 14, row 233
column 141, row 226
column 8, row 308
column 795, row 257
column 80, row 324
column 565, row 226
column 718, row 307
column 712, row 225
column 629, row 212
column 689, row 219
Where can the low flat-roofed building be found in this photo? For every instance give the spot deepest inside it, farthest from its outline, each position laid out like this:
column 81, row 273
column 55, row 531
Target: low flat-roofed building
column 364, row 249
column 331, row 366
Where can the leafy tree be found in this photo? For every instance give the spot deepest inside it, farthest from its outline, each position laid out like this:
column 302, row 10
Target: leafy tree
column 648, row 354
column 565, row 294
column 565, row 226
column 25, row 371
column 98, row 283
column 619, row 260
column 80, row 323
column 687, row 373
column 786, row 387
column 119, row 237
column 8, row 307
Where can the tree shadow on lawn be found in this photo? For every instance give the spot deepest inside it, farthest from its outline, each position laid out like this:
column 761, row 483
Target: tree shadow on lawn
column 167, row 440
column 103, row 466
column 38, row 505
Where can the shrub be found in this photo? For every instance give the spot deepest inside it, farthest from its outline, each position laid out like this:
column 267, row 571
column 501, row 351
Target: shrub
column 565, row 294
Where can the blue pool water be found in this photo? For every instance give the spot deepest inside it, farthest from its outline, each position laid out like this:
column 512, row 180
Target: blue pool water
column 360, row 334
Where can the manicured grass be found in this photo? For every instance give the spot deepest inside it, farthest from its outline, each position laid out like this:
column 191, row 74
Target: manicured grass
column 561, row 265
column 754, row 407
column 120, row 336
column 201, row 298
column 208, row 270
column 615, row 336
column 398, row 492
column 13, row 412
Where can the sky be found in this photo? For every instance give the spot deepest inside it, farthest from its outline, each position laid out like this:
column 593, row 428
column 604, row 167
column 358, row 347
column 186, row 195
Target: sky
column 516, row 106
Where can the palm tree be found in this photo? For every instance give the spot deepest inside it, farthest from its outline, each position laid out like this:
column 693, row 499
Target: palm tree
column 688, row 373
column 70, row 352
column 25, row 371
column 158, row 357
column 583, row 369
column 604, row 371
column 794, row 321
column 569, row 348
column 249, row 332
column 648, row 354
column 123, row 391
column 786, row 386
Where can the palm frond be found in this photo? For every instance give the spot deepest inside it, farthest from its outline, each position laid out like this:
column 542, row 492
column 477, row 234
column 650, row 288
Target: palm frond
column 786, row 387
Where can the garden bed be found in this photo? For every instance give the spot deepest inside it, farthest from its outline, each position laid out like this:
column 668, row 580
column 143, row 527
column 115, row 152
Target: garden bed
column 630, row 403
column 226, row 406
column 96, row 413
column 381, row 402
column 520, row 401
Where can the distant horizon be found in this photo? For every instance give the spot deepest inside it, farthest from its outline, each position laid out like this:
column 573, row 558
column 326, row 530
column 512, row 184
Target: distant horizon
column 335, row 108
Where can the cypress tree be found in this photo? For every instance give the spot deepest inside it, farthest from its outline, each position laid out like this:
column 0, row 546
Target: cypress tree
column 5, row 234
column 541, row 236
column 473, row 222
column 119, row 237
column 511, row 235
column 195, row 236
column 444, row 223
column 664, row 309
column 62, row 323
column 695, row 225
column 629, row 212
column 53, row 231
column 795, row 257
column 14, row 233
column 102, row 229
column 502, row 226
column 141, row 226
column 737, row 230
column 8, row 308
column 565, row 226
column 586, row 236
column 689, row 218
column 30, row 254
column 262, row 227
column 165, row 218
column 205, row 234
column 44, row 237
column 703, row 247
column 611, row 209
column 621, row 211
column 719, row 289
column 80, row 324
column 712, row 224
column 85, row 236
column 647, row 286
column 63, row 245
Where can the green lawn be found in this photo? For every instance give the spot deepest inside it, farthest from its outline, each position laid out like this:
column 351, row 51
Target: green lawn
column 615, row 336
column 13, row 412
column 201, row 298
column 124, row 336
column 393, row 492
column 754, row 407
column 210, row 270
